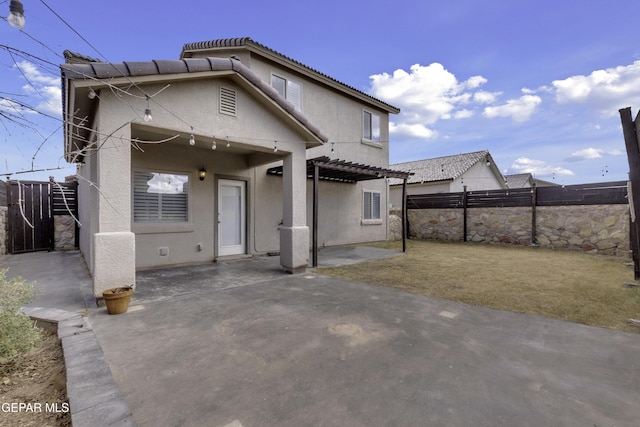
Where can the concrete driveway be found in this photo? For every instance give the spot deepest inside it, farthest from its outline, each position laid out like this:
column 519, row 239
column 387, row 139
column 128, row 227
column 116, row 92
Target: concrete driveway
column 242, row 344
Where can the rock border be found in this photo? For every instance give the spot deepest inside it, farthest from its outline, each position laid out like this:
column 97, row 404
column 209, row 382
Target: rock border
column 94, row 397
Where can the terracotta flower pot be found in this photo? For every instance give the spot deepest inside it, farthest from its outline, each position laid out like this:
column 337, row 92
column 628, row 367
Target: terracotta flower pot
column 117, row 299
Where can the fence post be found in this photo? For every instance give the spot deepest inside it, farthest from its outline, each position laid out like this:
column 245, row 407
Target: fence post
column 52, row 235
column 464, row 213
column 534, row 202
column 629, row 131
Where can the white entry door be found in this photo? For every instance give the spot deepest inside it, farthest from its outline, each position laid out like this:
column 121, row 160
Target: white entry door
column 232, row 217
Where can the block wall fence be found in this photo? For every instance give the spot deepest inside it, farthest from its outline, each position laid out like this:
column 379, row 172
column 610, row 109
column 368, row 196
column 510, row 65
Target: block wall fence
column 594, row 229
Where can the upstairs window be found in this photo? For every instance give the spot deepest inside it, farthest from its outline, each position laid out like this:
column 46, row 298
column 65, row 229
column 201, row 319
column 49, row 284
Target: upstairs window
column 289, row 90
column 370, row 126
column 160, row 197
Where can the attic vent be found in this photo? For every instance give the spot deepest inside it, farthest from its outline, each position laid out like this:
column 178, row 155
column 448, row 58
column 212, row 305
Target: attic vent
column 228, row 101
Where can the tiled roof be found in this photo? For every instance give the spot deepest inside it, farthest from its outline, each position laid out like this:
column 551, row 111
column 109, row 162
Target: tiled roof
column 519, row 180
column 247, row 41
column 77, row 58
column 439, row 168
column 106, row 70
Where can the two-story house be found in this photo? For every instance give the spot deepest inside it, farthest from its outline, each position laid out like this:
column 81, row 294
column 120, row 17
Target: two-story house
column 209, row 156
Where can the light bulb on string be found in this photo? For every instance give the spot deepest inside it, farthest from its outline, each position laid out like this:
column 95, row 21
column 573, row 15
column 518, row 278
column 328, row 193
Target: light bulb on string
column 147, row 112
column 16, row 15
column 192, row 138
column 213, row 144
column 275, row 147
column 228, row 143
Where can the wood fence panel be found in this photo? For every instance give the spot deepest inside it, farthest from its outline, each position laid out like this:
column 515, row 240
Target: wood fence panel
column 499, row 198
column 64, row 199
column 435, row 201
column 609, row 193
column 30, row 219
column 606, row 193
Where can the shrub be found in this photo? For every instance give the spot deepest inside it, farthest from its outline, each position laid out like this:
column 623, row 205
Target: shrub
column 18, row 333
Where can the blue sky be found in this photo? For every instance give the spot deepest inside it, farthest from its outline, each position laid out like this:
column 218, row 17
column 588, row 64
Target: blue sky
column 539, row 84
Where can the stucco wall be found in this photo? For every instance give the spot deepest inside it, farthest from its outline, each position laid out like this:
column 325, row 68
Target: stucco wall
column 597, row 229
column 3, row 230
column 339, row 213
column 339, row 116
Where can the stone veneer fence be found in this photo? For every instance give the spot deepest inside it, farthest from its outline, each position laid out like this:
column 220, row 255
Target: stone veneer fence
column 592, row 218
column 3, row 229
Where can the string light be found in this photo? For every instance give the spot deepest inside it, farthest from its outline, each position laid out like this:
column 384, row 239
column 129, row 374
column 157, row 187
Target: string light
column 192, row 138
column 275, row 147
column 16, row 15
column 213, row 145
column 147, row 112
column 228, row 143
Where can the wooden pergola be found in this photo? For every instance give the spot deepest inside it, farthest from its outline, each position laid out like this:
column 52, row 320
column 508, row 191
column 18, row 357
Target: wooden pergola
column 326, row 169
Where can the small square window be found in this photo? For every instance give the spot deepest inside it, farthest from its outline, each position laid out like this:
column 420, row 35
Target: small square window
column 289, row 90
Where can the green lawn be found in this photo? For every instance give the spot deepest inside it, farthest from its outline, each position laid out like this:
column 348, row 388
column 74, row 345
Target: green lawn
column 559, row 284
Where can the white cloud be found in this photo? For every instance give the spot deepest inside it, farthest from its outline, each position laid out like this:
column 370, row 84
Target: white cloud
column 592, row 153
column 417, row 130
column 606, row 90
column 45, row 88
column 425, row 95
column 537, row 168
column 475, row 81
column 587, row 154
column 520, row 110
column 463, row 114
column 483, row 97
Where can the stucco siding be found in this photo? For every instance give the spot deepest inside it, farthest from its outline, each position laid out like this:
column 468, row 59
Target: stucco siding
column 339, row 117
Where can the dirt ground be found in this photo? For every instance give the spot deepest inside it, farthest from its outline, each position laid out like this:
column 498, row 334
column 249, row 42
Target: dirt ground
column 39, row 384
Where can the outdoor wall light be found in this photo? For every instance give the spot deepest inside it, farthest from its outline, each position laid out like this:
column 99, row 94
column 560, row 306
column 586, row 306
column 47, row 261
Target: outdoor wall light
column 16, row 15
column 92, row 94
column 202, row 173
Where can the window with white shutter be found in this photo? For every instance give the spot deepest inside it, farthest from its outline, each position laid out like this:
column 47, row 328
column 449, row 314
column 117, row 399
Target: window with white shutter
column 289, row 90
column 160, row 197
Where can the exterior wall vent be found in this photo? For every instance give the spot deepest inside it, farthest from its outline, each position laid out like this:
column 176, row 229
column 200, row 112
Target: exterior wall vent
column 228, row 101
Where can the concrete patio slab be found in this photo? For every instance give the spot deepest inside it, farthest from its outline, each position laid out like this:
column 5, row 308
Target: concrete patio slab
column 224, row 345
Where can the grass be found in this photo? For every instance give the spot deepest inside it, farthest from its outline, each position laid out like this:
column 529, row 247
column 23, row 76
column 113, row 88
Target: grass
column 563, row 285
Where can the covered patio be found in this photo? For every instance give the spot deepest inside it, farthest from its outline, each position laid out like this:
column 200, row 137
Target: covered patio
column 324, row 168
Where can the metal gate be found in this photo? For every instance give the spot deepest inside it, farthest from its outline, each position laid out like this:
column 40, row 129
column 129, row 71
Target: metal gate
column 30, row 218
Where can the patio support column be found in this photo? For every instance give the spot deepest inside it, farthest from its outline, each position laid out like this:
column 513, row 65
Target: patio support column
column 316, row 188
column 404, row 215
column 113, row 254
column 294, row 232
